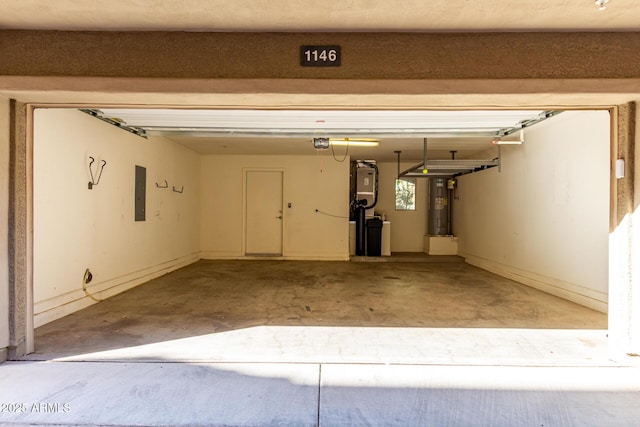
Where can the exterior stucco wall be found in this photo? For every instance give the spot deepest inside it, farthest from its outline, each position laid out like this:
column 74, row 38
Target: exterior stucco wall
column 364, row 55
column 4, row 231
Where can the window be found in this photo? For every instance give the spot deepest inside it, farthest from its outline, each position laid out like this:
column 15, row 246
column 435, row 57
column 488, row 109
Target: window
column 406, row 194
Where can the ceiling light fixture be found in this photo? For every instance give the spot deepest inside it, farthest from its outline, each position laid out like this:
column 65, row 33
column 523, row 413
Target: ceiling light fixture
column 357, row 142
column 601, row 4
column 501, row 142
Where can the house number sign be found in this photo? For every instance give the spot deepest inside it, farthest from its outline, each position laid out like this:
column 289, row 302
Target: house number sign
column 320, row 56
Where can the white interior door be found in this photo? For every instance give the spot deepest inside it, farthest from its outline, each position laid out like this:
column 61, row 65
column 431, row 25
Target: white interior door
column 263, row 225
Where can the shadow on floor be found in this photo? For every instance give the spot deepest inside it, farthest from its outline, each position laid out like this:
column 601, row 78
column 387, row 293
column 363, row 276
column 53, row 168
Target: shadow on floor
column 211, row 297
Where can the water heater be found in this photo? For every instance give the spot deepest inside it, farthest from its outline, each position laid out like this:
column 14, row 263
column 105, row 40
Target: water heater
column 438, row 207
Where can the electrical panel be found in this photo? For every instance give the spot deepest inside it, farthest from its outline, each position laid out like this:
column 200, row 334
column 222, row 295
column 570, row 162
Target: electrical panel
column 140, row 193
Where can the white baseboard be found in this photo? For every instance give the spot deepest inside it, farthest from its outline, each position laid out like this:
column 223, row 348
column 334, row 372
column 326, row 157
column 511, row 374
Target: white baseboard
column 590, row 298
column 212, row 255
column 61, row 305
column 289, row 257
column 317, row 257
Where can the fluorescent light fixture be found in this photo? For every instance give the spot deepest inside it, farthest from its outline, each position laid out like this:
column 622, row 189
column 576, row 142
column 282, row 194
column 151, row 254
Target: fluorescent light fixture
column 500, row 142
column 518, row 141
column 355, row 142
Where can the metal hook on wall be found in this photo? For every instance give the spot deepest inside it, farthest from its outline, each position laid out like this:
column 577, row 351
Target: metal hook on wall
column 166, row 184
column 175, row 190
column 100, row 169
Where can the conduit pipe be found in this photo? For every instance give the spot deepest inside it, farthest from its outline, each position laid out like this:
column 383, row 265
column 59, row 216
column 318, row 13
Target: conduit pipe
column 398, row 154
column 424, row 162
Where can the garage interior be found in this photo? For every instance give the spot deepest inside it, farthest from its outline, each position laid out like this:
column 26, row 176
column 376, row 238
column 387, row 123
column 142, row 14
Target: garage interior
column 522, row 222
column 523, row 278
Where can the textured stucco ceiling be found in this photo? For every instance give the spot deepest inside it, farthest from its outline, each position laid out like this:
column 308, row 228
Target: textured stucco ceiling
column 326, row 15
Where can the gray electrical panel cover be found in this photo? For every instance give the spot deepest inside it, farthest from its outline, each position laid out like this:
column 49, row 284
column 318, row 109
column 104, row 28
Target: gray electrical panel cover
column 141, row 193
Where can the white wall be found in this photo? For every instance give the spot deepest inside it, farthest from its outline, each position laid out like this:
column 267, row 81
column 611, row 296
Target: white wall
column 407, row 227
column 634, row 305
column 76, row 228
column 544, row 220
column 4, row 226
column 624, row 255
column 307, row 234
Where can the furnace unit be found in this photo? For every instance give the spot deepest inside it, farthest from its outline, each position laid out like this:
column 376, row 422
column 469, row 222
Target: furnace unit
column 364, row 196
column 364, row 186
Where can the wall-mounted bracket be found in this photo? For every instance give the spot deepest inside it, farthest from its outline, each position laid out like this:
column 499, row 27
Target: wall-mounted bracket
column 166, row 184
column 175, row 190
column 95, row 181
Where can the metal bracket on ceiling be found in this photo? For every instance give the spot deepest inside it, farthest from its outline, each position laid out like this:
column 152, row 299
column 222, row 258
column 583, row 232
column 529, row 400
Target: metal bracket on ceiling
column 115, row 122
column 449, row 168
column 444, row 168
column 526, row 123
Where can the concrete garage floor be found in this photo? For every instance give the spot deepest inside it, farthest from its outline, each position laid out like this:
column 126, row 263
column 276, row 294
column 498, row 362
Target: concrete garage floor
column 331, row 312
column 271, row 343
